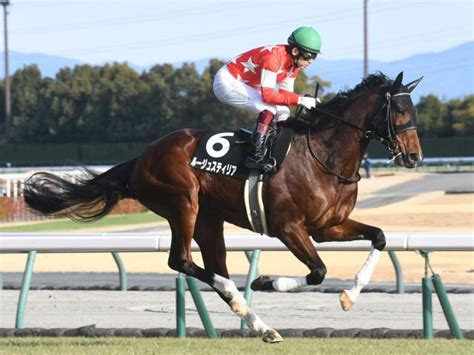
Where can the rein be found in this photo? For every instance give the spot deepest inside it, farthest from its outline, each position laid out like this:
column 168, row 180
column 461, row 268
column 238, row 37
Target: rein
column 389, row 141
column 341, row 178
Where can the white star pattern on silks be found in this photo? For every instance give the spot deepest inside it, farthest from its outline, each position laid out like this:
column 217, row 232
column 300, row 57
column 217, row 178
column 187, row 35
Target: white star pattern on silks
column 249, row 66
column 268, row 48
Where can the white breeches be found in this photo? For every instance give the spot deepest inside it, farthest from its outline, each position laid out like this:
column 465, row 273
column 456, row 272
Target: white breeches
column 234, row 92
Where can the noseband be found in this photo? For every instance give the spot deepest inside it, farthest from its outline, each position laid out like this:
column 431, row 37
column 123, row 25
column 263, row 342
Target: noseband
column 392, row 130
column 370, row 133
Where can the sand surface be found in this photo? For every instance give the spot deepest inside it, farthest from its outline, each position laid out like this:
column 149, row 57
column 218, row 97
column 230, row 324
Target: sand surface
column 432, row 211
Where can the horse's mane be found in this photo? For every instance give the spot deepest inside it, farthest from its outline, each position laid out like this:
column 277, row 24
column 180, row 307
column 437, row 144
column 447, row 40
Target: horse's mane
column 343, row 98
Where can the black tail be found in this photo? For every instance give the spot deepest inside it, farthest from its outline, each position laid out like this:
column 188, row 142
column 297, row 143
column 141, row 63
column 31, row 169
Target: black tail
column 88, row 199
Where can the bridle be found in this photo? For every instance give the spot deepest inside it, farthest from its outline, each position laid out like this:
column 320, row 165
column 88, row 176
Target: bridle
column 392, row 130
column 369, row 132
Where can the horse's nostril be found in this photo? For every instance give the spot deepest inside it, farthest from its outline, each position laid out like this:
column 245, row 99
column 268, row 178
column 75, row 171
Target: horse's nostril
column 414, row 157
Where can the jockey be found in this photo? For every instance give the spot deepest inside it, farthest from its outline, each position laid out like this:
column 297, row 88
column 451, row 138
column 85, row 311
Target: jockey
column 262, row 81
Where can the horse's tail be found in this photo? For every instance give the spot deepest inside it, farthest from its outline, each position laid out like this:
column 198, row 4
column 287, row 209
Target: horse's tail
column 88, row 199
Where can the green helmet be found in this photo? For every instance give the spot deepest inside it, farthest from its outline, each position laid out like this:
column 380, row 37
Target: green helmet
column 306, row 38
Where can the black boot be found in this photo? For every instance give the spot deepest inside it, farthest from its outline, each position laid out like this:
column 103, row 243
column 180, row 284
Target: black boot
column 256, row 153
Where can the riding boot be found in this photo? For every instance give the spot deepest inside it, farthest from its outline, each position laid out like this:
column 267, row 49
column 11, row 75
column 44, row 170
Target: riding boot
column 257, row 148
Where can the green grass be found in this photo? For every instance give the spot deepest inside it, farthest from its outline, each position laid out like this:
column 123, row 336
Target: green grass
column 61, row 225
column 299, row 346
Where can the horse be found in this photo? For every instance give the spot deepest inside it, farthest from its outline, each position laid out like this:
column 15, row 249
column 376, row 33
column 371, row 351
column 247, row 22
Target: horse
column 308, row 199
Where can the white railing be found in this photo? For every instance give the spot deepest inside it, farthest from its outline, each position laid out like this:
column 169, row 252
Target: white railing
column 456, row 161
column 153, row 242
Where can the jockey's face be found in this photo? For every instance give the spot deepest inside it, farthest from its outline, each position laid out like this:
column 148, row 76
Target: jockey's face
column 303, row 59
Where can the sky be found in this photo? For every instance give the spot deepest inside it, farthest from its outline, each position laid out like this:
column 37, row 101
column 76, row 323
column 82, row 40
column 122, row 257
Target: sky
column 146, row 32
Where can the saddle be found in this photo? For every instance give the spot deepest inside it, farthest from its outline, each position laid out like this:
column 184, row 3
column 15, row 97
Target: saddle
column 224, row 152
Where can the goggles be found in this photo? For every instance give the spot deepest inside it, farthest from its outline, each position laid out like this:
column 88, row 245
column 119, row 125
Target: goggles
column 308, row 55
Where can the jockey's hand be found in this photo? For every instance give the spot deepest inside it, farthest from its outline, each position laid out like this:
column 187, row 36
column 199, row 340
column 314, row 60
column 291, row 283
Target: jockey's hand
column 308, row 102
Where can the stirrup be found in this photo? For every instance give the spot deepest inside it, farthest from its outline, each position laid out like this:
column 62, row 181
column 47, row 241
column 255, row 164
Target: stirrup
column 261, row 165
column 270, row 166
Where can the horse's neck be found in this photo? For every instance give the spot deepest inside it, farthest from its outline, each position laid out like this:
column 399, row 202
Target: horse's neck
column 343, row 148
column 341, row 145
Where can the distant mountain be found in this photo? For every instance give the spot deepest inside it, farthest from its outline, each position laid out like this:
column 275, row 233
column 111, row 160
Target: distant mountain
column 447, row 74
column 48, row 64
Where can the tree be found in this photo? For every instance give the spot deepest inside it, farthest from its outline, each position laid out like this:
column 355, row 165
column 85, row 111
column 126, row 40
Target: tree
column 187, row 92
column 114, row 103
column 307, row 86
column 157, row 107
column 93, row 104
column 27, row 91
column 117, row 100
column 461, row 113
column 433, row 117
column 67, row 101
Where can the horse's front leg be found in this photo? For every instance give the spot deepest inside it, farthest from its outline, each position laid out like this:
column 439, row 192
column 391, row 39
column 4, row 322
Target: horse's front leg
column 297, row 240
column 352, row 230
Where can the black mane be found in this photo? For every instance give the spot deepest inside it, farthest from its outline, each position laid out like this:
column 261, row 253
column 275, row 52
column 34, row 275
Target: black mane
column 345, row 97
column 339, row 102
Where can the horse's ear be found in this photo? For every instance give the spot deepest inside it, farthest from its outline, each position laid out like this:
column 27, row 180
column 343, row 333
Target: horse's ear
column 411, row 86
column 397, row 83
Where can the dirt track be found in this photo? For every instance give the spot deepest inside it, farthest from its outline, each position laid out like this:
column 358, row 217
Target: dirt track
column 431, row 211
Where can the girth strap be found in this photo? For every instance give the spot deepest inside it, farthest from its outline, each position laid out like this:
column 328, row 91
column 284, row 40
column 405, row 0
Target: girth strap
column 254, row 202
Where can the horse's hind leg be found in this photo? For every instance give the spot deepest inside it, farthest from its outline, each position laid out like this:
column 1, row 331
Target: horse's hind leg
column 209, row 234
column 181, row 212
column 211, row 241
column 180, row 259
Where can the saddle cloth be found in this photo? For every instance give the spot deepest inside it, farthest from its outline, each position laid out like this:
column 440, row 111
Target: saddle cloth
column 224, row 152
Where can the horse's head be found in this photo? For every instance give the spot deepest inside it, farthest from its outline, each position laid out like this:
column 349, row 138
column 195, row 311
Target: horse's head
column 395, row 123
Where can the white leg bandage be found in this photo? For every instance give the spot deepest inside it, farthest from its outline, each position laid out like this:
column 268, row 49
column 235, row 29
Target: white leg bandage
column 284, row 284
column 238, row 303
column 363, row 277
column 254, row 322
column 228, row 288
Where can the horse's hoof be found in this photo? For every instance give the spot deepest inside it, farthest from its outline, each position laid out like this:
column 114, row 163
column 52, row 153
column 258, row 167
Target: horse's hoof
column 262, row 283
column 346, row 302
column 271, row 336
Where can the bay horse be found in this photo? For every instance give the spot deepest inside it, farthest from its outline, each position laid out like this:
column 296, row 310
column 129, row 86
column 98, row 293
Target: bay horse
column 310, row 197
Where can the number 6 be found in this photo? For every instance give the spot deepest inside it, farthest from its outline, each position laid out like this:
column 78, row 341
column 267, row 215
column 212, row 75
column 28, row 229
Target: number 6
column 218, row 139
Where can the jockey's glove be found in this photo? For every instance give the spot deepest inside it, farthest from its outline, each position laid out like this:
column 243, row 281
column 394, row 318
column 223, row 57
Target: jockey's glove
column 308, row 102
